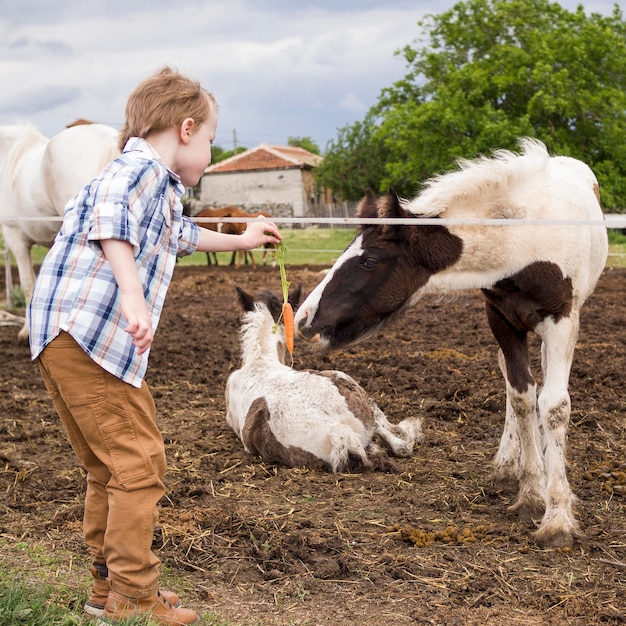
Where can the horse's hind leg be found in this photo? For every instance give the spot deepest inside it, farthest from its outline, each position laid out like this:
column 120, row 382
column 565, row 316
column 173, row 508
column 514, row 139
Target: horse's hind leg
column 558, row 525
column 519, row 457
column 20, row 246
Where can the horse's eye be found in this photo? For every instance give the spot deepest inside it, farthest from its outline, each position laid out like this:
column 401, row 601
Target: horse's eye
column 369, row 263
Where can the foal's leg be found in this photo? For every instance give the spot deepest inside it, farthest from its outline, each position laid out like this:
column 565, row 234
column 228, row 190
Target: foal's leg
column 521, row 434
column 399, row 439
column 559, row 339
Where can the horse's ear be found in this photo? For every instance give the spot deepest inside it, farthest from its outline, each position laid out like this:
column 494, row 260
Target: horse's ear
column 368, row 206
column 245, row 299
column 391, row 206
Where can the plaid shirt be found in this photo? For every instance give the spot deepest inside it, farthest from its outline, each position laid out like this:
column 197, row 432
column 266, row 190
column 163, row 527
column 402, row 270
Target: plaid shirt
column 135, row 199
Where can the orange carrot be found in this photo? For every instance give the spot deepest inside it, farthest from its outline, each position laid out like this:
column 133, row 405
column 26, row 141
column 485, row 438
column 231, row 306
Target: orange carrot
column 288, row 322
column 287, row 309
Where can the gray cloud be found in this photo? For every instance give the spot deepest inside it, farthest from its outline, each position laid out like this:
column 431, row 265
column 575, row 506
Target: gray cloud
column 40, row 99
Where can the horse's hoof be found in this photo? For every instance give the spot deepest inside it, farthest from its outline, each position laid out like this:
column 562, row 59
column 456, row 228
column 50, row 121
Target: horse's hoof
column 22, row 336
column 504, row 482
column 527, row 510
column 552, row 538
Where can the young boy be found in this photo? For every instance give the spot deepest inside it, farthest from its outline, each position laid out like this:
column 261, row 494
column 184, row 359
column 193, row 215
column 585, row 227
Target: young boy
column 94, row 310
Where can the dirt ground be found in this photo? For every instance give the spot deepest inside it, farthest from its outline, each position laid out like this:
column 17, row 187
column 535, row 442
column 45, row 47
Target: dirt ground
column 266, row 545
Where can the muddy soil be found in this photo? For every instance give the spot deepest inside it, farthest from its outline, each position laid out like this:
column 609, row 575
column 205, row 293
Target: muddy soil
column 267, row 545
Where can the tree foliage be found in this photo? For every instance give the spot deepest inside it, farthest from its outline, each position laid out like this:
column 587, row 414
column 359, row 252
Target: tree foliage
column 304, row 142
column 218, row 153
column 487, row 72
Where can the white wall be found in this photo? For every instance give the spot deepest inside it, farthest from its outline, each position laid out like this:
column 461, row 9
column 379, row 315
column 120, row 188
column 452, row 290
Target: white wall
column 253, row 190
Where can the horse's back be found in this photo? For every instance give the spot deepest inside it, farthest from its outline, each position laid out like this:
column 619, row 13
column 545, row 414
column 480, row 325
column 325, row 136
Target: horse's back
column 530, row 188
column 74, row 157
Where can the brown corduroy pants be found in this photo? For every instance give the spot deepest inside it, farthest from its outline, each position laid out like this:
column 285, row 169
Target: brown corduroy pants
column 111, row 426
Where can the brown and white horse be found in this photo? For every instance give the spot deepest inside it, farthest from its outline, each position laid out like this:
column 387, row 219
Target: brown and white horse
column 534, row 275
column 305, row 418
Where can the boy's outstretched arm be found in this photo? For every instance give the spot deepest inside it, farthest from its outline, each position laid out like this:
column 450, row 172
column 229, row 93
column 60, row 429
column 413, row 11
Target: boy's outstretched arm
column 256, row 234
column 120, row 256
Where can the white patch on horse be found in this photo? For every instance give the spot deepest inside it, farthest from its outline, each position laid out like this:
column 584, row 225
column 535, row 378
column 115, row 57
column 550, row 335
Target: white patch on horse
column 303, row 313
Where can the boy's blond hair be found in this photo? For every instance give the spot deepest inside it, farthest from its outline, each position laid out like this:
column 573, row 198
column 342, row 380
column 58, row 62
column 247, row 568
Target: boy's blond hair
column 163, row 101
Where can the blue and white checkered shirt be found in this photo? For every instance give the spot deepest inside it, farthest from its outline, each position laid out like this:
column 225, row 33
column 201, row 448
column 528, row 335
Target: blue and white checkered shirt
column 135, row 199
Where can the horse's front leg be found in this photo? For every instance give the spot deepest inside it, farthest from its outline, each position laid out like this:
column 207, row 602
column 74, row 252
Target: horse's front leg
column 530, row 503
column 519, row 459
column 506, row 463
column 20, row 245
column 558, row 526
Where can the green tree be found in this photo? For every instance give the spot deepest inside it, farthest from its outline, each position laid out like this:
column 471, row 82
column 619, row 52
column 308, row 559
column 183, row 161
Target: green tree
column 304, row 142
column 354, row 161
column 489, row 71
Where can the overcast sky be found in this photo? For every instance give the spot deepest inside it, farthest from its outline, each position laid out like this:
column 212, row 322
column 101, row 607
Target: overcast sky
column 278, row 68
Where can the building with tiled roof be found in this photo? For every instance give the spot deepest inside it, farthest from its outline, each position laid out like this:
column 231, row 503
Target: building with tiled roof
column 276, row 179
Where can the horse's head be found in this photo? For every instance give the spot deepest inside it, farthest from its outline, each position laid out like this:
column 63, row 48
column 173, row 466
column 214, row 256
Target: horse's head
column 376, row 276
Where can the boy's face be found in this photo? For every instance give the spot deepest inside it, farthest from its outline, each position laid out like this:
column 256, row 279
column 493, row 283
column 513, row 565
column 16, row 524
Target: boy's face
column 195, row 154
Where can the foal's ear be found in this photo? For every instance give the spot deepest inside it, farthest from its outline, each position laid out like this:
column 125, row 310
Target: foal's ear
column 245, row 299
column 295, row 296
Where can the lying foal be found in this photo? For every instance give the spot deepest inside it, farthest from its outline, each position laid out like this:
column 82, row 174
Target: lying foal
column 318, row 419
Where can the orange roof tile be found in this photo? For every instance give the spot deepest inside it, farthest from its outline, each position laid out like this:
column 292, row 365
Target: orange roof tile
column 267, row 157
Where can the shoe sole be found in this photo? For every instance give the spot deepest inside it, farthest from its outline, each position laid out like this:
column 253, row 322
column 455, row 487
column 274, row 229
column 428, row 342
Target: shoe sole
column 98, row 611
column 94, row 611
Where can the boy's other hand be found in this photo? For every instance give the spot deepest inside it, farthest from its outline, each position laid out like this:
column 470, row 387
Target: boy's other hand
column 139, row 321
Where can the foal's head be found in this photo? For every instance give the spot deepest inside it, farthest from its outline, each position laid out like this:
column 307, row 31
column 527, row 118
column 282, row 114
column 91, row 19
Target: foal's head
column 375, row 277
column 270, row 299
column 260, row 339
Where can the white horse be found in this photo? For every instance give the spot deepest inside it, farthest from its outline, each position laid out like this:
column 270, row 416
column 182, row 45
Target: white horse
column 38, row 176
column 534, row 276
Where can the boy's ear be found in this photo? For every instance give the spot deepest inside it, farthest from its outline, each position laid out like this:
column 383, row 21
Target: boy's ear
column 186, row 129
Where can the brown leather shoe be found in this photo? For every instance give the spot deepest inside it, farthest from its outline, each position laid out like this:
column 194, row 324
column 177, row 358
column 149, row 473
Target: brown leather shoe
column 119, row 608
column 100, row 592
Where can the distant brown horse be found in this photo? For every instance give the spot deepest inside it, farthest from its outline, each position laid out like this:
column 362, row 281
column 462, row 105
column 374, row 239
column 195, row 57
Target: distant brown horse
column 231, row 228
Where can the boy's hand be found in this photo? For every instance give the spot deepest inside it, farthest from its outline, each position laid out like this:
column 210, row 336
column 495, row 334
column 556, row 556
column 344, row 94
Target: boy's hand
column 260, row 233
column 139, row 320
column 119, row 254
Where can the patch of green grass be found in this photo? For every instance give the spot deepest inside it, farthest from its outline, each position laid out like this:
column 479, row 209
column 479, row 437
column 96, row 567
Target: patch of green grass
column 44, row 586
column 29, row 604
column 617, row 248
